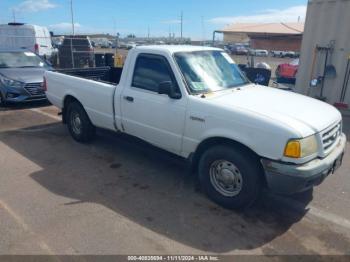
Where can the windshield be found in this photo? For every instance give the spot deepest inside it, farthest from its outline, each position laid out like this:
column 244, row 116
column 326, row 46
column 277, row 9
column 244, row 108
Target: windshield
column 209, row 71
column 20, row 60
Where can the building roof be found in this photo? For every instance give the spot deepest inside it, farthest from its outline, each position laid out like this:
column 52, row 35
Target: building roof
column 265, row 28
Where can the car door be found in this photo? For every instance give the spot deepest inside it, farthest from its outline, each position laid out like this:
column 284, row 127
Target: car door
column 146, row 114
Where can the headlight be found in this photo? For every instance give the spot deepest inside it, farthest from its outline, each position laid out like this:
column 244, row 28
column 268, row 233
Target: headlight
column 300, row 148
column 9, row 82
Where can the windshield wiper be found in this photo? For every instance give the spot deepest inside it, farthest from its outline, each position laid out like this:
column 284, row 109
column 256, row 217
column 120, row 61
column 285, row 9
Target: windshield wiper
column 239, row 85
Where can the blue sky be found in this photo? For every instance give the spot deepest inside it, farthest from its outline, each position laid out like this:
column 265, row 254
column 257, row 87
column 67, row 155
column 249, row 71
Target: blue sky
column 201, row 17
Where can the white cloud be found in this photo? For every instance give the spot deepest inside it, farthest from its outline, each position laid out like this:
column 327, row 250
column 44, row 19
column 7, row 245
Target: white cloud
column 64, row 27
column 290, row 14
column 32, row 6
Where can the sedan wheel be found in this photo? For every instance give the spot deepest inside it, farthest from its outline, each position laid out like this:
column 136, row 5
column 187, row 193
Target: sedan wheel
column 2, row 101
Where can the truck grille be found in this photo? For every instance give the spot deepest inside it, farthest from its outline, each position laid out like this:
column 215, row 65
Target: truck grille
column 35, row 89
column 330, row 136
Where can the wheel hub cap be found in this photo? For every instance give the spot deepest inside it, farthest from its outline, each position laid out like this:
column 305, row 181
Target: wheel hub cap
column 226, row 178
column 76, row 123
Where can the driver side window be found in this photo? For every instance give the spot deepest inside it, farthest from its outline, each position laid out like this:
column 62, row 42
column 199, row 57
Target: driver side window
column 150, row 71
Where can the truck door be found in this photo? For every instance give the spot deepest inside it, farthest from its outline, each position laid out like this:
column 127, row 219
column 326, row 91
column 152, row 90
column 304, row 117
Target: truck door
column 153, row 117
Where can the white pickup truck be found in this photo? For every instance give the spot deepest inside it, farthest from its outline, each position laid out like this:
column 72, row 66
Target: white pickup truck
column 195, row 103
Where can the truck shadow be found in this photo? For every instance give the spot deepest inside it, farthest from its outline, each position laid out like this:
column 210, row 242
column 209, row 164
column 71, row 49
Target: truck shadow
column 148, row 186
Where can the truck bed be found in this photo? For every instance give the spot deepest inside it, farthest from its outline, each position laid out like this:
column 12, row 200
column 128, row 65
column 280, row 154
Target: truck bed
column 89, row 87
column 105, row 74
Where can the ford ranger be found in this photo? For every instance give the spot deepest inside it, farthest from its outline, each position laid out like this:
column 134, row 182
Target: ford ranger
column 196, row 103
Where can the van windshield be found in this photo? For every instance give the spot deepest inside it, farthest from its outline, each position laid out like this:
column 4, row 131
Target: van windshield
column 21, row 60
column 209, row 71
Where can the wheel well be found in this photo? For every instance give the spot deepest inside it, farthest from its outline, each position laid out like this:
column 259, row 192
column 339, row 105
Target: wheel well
column 67, row 100
column 214, row 141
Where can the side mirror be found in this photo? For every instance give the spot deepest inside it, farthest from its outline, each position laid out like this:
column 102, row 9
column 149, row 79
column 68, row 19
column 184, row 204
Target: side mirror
column 167, row 88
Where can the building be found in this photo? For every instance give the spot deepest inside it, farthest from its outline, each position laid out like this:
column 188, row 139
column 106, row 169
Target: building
column 326, row 42
column 270, row 36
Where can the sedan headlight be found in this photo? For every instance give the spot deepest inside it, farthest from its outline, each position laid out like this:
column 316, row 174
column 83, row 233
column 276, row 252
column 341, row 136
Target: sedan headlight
column 10, row 82
column 300, row 148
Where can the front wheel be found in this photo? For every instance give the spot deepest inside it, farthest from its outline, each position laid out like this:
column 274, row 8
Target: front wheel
column 231, row 177
column 79, row 124
column 2, row 101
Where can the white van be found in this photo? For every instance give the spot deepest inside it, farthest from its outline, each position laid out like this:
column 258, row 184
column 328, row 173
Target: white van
column 31, row 37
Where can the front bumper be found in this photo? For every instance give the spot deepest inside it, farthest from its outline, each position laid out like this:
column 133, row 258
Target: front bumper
column 290, row 178
column 20, row 95
column 24, row 99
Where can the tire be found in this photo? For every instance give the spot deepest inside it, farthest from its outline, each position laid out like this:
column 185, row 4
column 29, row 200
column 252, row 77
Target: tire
column 79, row 124
column 245, row 186
column 2, row 101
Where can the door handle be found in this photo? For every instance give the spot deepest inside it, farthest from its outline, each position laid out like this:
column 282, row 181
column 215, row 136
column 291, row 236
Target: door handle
column 129, row 98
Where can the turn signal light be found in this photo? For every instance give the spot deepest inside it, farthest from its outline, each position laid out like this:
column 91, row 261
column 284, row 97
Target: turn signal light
column 293, row 149
column 45, row 85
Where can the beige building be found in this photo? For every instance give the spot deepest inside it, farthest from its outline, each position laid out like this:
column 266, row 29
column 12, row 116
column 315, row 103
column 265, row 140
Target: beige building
column 236, row 38
column 270, row 36
column 327, row 30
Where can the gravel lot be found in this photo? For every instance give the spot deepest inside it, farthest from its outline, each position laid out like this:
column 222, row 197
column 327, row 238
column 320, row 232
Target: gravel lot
column 122, row 196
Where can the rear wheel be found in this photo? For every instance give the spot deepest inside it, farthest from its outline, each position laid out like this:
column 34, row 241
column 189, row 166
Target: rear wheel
column 231, row 177
column 79, row 124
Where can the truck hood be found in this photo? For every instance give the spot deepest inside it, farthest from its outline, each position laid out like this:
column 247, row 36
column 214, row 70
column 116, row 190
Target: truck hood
column 25, row 75
column 303, row 114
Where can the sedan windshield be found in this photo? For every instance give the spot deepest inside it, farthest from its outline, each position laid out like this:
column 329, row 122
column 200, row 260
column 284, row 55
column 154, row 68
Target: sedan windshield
column 209, row 71
column 20, row 60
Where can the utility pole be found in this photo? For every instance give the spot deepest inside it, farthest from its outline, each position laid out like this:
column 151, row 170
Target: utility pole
column 203, row 31
column 182, row 21
column 72, row 15
column 73, row 32
column 114, row 27
column 14, row 15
